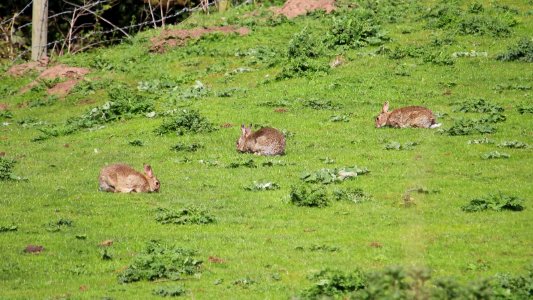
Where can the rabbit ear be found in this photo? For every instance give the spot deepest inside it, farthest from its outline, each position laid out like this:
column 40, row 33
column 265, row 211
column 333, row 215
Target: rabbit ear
column 148, row 171
column 385, row 107
column 243, row 129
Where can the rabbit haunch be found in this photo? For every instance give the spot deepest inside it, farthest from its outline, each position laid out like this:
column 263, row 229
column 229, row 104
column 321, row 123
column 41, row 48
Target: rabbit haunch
column 121, row 178
column 410, row 116
column 265, row 141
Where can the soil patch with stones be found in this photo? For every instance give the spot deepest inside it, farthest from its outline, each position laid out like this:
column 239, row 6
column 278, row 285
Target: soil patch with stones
column 71, row 75
column 294, row 8
column 178, row 37
column 19, row 70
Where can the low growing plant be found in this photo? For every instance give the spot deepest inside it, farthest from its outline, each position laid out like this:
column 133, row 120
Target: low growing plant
column 187, row 121
column 302, row 195
column 398, row 146
column 478, row 106
column 495, row 155
column 159, row 261
column 467, row 127
column 525, row 109
column 187, row 148
column 522, row 51
column 496, row 202
column 174, row 291
column 8, row 228
column 262, row 186
column 6, row 169
column 184, row 216
column 513, row 144
column 327, row 176
column 355, row 195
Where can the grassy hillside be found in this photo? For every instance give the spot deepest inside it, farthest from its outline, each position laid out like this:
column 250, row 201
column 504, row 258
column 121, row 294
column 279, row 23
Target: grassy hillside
column 470, row 62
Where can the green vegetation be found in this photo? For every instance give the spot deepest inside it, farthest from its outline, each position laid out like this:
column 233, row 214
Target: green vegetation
column 495, row 202
column 347, row 198
column 190, row 215
column 159, row 261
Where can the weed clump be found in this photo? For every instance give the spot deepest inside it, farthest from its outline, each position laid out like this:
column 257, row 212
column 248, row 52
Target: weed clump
column 354, row 31
column 397, row 146
column 187, row 148
column 474, row 21
column 184, row 216
column 123, row 104
column 303, row 45
column 8, row 228
column 513, row 144
column 158, row 261
column 262, row 186
column 467, row 127
column 417, row 283
column 495, row 155
column 250, row 163
column 521, row 51
column 525, row 109
column 327, row 176
column 302, row 50
column 309, row 196
column 175, row 291
column 319, row 104
column 187, row 121
column 136, row 143
column 478, row 106
column 333, row 283
column 6, row 169
column 496, row 202
column 481, row 141
column 355, row 195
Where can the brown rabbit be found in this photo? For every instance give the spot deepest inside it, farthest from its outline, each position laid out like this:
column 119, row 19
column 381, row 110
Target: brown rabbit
column 121, row 178
column 410, row 116
column 265, row 141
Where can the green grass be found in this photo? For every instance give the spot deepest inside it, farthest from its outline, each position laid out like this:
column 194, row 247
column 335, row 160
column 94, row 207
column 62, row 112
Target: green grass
column 258, row 234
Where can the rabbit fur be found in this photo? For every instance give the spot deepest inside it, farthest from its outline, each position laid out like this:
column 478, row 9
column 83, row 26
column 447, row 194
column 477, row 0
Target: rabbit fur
column 265, row 141
column 409, row 116
column 121, row 178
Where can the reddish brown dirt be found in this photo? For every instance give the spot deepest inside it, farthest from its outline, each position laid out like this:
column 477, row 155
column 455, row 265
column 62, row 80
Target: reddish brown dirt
column 281, row 110
column 72, row 75
column 226, row 125
column 19, row 70
column 294, row 8
column 106, row 243
column 376, row 245
column 175, row 38
column 33, row 249
column 4, row 106
column 216, row 260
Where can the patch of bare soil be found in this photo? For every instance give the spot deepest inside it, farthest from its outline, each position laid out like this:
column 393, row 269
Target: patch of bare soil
column 4, row 106
column 294, row 8
column 178, row 37
column 33, row 249
column 72, row 75
column 19, row 70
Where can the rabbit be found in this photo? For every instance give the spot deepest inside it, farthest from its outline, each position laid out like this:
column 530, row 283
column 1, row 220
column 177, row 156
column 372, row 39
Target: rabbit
column 410, row 116
column 124, row 179
column 265, row 141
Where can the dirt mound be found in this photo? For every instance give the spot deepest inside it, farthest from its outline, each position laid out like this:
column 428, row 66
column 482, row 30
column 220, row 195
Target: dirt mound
column 19, row 70
column 72, row 75
column 294, row 8
column 177, row 37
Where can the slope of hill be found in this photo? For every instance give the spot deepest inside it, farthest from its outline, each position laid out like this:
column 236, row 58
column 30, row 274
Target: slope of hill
column 228, row 225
